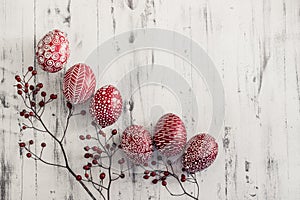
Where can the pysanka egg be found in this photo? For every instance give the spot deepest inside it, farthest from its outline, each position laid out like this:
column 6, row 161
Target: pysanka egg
column 137, row 144
column 170, row 135
column 106, row 105
column 79, row 83
column 53, row 51
column 200, row 152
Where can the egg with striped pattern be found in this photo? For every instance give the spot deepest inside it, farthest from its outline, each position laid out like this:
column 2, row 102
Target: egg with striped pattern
column 170, row 135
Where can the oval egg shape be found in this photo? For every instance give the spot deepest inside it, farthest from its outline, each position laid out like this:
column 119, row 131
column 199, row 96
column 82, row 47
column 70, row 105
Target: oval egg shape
column 79, row 83
column 137, row 144
column 53, row 51
column 200, row 152
column 106, row 106
column 170, row 135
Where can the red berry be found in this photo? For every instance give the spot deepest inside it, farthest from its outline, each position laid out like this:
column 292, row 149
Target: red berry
column 83, row 112
column 18, row 78
column 24, row 127
column 86, row 167
column 153, row 162
column 153, row 173
column 86, row 148
column 87, row 155
column 99, row 151
column 31, row 114
column 19, row 86
column 30, row 141
column 31, row 87
column 102, row 176
column 42, row 103
column 32, row 103
column 95, row 162
column 94, row 148
column 43, row 144
column 40, row 85
column 146, row 176
column 154, row 181
column 43, row 94
column 78, row 178
column 122, row 175
column 146, row 172
column 20, row 92
column 88, row 137
column 22, row 144
column 28, row 155
column 183, row 178
column 166, row 173
column 121, row 161
column 114, row 132
column 69, row 105
column 86, row 175
column 26, row 90
column 26, row 85
column 81, row 137
column 22, row 113
column 164, row 183
column 163, row 178
column 53, row 96
column 26, row 115
column 30, row 68
column 34, row 72
column 90, row 164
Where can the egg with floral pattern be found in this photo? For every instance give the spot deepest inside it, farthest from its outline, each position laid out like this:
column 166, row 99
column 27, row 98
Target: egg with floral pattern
column 52, row 51
column 137, row 144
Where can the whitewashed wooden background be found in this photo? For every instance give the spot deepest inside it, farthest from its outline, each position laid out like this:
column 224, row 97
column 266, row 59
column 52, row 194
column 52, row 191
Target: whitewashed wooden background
column 255, row 45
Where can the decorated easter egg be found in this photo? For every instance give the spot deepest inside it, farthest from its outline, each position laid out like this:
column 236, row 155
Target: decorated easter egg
column 200, row 152
column 79, row 83
column 137, row 144
column 52, row 51
column 106, row 105
column 170, row 135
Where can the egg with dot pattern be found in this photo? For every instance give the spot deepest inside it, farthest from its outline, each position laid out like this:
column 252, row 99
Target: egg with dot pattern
column 170, row 135
column 200, row 152
column 137, row 144
column 106, row 106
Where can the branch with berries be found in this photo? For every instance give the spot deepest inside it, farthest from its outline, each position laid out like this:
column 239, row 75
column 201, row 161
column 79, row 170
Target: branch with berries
column 104, row 164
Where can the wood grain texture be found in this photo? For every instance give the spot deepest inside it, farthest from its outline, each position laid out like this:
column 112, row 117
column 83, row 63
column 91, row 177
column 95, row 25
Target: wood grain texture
column 255, row 46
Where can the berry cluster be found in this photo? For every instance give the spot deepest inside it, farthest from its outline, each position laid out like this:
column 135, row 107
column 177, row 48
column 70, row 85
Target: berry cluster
column 100, row 152
column 99, row 169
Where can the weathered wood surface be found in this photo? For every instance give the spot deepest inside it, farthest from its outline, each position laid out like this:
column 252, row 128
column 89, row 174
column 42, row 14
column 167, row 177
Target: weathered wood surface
column 255, row 46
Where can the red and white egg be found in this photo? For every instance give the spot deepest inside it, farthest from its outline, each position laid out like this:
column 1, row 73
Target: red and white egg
column 170, row 135
column 106, row 105
column 200, row 152
column 53, row 51
column 137, row 144
column 79, row 83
